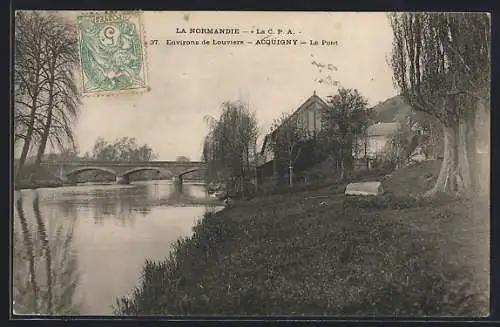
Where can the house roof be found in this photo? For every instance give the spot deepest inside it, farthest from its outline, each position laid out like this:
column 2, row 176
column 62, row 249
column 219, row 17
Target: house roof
column 383, row 129
column 312, row 99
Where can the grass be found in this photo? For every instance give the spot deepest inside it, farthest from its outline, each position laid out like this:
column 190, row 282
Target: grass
column 33, row 176
column 298, row 254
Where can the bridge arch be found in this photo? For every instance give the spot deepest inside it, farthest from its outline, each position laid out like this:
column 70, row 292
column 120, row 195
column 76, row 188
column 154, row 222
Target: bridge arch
column 190, row 170
column 82, row 169
column 137, row 169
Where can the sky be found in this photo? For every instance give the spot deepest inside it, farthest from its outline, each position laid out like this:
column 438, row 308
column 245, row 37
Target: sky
column 187, row 83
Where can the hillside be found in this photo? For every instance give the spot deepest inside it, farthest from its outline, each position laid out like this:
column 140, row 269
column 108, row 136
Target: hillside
column 392, row 109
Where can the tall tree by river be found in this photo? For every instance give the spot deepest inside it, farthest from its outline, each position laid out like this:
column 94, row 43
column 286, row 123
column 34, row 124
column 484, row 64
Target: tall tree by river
column 442, row 64
column 46, row 96
column 229, row 147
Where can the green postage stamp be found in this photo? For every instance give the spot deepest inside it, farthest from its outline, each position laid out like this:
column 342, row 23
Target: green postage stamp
column 112, row 54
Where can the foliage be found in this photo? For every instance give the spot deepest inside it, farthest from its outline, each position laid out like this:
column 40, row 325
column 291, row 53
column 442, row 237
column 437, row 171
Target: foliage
column 122, row 149
column 183, row 159
column 230, row 147
column 46, row 96
column 441, row 63
column 345, row 120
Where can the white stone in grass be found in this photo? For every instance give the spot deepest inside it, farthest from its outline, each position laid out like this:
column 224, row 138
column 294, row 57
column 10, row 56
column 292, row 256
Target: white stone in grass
column 364, row 188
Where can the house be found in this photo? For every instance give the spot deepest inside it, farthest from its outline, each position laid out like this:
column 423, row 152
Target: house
column 378, row 136
column 307, row 115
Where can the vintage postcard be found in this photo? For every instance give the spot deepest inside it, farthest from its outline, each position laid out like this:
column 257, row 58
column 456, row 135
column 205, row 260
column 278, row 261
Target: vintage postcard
column 251, row 164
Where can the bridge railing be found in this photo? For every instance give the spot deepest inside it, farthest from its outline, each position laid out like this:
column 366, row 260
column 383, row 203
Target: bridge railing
column 104, row 162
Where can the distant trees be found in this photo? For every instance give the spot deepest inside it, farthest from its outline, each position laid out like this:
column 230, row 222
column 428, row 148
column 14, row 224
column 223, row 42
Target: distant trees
column 183, row 159
column 287, row 141
column 124, row 149
column 46, row 97
column 441, row 63
column 230, row 147
column 343, row 123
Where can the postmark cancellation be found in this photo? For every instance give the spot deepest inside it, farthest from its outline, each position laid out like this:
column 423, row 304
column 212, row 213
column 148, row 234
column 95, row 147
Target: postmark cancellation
column 112, row 53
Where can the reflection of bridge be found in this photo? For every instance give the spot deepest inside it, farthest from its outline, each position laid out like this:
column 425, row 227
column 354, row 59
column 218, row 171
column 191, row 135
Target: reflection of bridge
column 122, row 170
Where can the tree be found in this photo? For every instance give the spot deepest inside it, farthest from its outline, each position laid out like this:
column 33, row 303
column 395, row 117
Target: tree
column 122, row 149
column 61, row 91
column 346, row 119
column 46, row 97
column 287, row 140
column 29, row 60
column 441, row 64
column 183, row 159
column 229, row 147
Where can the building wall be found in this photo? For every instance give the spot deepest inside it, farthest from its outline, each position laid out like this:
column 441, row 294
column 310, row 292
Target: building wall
column 310, row 117
column 376, row 145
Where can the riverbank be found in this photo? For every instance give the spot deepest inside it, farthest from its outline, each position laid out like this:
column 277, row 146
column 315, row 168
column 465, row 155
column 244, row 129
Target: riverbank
column 25, row 185
column 33, row 177
column 299, row 254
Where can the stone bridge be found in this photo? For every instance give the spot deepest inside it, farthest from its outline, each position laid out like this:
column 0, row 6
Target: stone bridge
column 122, row 170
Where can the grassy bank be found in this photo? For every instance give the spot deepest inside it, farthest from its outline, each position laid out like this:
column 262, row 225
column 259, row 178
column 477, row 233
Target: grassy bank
column 297, row 253
column 33, row 176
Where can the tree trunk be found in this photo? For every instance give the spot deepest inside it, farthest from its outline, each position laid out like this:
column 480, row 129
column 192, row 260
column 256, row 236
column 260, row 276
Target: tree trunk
column 472, row 155
column 31, row 127
column 464, row 164
column 366, row 154
column 341, row 162
column 27, row 140
column 455, row 174
column 45, row 137
column 48, row 124
column 290, row 173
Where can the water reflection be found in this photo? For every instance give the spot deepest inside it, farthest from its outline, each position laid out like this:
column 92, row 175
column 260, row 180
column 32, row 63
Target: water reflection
column 124, row 202
column 44, row 266
column 76, row 249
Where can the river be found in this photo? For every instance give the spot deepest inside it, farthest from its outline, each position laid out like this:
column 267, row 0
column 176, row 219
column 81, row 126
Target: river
column 76, row 249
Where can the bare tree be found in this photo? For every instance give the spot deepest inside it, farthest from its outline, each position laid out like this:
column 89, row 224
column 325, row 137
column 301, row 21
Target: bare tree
column 46, row 98
column 61, row 92
column 441, row 63
column 29, row 84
